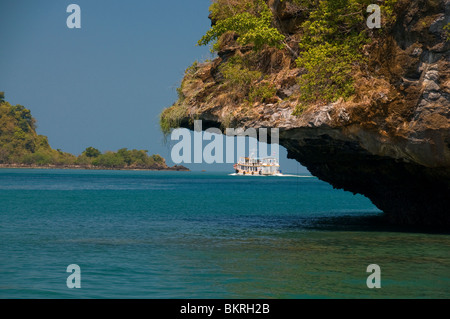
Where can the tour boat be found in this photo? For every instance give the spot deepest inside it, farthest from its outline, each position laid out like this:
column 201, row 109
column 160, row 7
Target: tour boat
column 267, row 166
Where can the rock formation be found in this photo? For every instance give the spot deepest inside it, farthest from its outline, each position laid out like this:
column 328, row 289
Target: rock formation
column 391, row 143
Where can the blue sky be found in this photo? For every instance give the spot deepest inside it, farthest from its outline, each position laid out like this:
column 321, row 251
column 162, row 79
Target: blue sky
column 103, row 85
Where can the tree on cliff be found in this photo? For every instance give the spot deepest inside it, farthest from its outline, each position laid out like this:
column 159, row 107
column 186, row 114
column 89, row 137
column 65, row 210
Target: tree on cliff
column 330, row 34
column 254, row 25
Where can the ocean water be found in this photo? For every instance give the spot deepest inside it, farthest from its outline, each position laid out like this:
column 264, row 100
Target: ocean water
column 205, row 235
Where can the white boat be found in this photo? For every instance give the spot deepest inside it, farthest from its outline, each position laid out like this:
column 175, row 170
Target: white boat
column 267, row 166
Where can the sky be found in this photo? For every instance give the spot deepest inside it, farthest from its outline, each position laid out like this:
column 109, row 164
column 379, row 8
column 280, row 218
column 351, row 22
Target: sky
column 105, row 84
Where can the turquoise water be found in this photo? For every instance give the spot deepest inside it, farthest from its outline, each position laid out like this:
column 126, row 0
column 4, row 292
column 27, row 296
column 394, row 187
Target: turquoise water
column 204, row 235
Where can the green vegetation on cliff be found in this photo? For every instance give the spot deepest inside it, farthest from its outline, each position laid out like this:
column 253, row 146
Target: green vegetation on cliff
column 447, row 31
column 329, row 36
column 251, row 20
column 19, row 142
column 243, row 80
column 171, row 118
column 331, row 47
column 21, row 145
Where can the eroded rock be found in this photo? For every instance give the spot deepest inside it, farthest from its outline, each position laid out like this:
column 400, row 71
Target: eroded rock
column 392, row 144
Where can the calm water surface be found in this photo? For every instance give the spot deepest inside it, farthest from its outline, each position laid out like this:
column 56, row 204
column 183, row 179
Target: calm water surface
column 204, row 235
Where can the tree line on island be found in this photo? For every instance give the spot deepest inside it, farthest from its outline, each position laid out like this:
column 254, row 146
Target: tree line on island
column 21, row 146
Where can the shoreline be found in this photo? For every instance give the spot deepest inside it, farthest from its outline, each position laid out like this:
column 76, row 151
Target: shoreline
column 175, row 168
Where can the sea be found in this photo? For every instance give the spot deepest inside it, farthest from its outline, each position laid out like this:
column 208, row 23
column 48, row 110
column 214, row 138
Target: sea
column 205, row 235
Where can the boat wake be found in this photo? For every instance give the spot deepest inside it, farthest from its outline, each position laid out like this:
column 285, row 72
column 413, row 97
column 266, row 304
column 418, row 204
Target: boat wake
column 301, row 176
column 275, row 175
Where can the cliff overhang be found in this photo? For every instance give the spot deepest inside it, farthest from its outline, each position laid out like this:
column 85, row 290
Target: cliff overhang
column 391, row 144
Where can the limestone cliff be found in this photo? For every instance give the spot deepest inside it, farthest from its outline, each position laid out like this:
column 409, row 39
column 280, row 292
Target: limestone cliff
column 390, row 142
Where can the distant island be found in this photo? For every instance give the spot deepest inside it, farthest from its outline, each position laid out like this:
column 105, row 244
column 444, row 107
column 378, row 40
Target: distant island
column 22, row 147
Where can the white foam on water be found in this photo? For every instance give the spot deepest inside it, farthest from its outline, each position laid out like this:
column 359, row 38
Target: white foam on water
column 276, row 175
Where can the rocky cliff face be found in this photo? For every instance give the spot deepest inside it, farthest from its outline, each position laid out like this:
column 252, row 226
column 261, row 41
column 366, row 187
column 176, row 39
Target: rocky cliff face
column 390, row 143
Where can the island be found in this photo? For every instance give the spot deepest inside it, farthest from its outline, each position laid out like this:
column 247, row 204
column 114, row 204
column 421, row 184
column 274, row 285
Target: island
column 22, row 147
column 365, row 109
